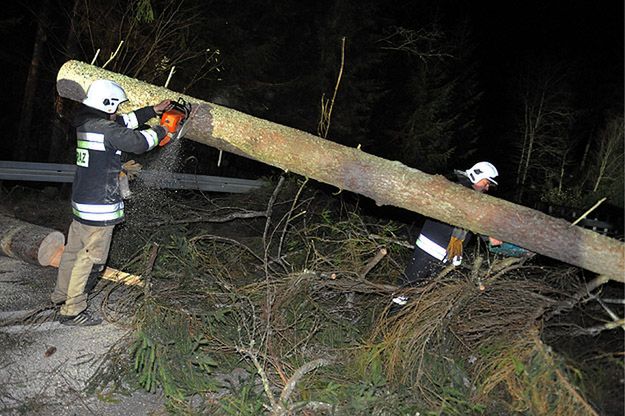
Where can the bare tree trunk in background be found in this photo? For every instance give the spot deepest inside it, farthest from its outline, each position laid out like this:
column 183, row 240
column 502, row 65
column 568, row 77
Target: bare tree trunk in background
column 386, row 182
column 562, row 171
column 545, row 116
column 523, row 153
column 59, row 132
column 30, row 90
column 533, row 121
column 608, row 156
column 586, row 149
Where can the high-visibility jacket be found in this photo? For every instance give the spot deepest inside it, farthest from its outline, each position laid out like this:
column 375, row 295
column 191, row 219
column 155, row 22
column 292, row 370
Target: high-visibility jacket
column 96, row 197
column 435, row 236
column 434, row 239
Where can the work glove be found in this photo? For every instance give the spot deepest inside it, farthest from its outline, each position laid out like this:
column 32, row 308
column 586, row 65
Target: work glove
column 131, row 169
column 454, row 248
column 509, row 250
column 162, row 106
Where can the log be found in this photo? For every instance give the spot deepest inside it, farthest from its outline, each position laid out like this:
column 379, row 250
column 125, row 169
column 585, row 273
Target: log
column 29, row 242
column 43, row 247
column 386, row 182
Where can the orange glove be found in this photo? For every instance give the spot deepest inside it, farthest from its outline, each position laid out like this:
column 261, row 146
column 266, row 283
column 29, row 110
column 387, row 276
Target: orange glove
column 454, row 248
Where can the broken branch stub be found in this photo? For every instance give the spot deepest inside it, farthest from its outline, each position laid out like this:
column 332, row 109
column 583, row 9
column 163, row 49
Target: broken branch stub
column 386, row 182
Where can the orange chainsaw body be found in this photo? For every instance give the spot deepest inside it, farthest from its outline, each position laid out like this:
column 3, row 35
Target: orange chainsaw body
column 173, row 119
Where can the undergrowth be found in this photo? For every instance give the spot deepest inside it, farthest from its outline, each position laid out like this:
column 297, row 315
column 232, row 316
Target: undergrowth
column 288, row 313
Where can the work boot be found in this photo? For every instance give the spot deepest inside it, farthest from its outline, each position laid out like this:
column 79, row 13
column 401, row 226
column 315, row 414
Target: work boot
column 400, row 300
column 398, row 304
column 85, row 318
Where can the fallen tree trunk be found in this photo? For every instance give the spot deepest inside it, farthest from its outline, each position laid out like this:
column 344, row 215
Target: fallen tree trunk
column 386, row 182
column 30, row 243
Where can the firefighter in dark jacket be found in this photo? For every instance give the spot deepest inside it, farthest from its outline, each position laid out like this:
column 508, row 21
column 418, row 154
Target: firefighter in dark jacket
column 438, row 243
column 97, row 205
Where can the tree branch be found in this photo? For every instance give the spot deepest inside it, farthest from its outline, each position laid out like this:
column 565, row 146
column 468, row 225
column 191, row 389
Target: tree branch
column 298, row 374
column 373, row 262
column 223, row 218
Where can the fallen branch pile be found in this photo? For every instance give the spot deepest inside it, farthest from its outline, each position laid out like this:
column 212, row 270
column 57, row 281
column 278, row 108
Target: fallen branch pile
column 287, row 311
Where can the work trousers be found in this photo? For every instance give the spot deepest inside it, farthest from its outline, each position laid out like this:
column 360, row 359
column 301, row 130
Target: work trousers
column 421, row 267
column 83, row 259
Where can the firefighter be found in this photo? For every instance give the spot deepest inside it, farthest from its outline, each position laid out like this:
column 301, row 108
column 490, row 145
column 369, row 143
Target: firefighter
column 438, row 243
column 102, row 136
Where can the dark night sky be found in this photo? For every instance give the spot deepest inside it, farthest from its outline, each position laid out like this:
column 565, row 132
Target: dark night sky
column 588, row 33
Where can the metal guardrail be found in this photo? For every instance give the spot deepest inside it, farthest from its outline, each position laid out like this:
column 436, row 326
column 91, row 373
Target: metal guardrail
column 602, row 224
column 53, row 172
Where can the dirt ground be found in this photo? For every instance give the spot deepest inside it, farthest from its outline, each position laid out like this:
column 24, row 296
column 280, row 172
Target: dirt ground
column 45, row 366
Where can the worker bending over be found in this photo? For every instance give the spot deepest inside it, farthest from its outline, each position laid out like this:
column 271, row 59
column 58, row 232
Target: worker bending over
column 440, row 244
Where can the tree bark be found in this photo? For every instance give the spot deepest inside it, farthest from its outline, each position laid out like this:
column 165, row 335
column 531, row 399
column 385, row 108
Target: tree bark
column 30, row 243
column 386, row 182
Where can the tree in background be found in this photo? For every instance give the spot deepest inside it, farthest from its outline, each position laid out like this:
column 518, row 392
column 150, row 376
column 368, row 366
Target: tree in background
column 551, row 167
column 544, row 119
column 145, row 39
column 606, row 174
column 140, row 38
column 28, row 145
column 361, row 86
column 439, row 102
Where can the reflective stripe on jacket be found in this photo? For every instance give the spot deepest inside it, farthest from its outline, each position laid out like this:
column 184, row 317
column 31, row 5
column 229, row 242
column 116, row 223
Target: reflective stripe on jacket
column 431, row 248
column 98, row 212
column 434, row 239
column 96, row 196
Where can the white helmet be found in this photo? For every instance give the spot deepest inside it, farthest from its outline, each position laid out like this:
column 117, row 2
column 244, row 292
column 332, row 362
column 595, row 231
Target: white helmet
column 482, row 170
column 105, row 95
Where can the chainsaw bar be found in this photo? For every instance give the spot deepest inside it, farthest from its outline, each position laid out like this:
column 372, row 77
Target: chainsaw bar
column 185, row 124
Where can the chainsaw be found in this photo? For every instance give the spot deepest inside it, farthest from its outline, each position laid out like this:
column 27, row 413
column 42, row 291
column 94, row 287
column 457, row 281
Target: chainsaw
column 175, row 119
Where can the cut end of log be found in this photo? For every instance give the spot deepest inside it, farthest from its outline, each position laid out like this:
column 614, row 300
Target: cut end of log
column 50, row 249
column 31, row 243
column 55, row 260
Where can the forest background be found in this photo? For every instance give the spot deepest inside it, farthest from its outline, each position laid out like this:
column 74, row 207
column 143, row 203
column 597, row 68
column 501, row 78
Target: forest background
column 535, row 88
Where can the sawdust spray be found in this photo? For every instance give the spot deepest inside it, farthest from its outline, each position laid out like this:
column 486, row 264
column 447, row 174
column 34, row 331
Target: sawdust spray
column 150, row 201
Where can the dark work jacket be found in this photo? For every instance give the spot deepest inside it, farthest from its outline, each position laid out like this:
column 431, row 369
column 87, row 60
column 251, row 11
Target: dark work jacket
column 439, row 233
column 425, row 264
column 96, row 197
